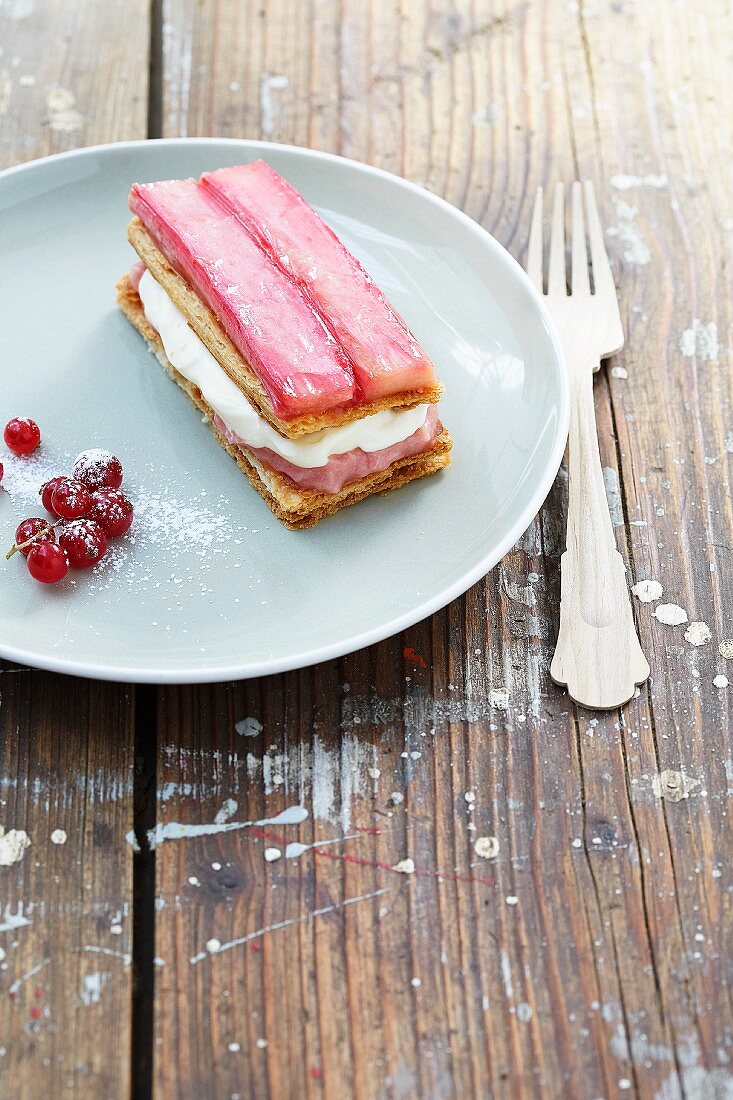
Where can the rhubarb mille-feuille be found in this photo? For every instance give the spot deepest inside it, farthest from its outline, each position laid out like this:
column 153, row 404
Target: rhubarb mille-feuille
column 308, row 376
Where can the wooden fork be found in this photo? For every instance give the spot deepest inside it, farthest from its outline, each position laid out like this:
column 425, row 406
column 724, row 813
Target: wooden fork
column 598, row 655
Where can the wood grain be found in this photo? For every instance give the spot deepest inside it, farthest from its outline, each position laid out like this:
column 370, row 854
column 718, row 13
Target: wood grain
column 591, row 957
column 69, row 75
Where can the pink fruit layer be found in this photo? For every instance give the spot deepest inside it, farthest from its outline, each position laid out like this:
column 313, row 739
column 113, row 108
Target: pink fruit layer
column 386, row 358
column 266, row 316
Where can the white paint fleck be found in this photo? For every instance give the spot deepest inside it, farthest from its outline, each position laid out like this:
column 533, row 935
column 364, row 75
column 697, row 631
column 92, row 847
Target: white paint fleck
column 95, row 949
column 721, row 681
column 613, row 496
column 499, row 698
column 674, row 786
column 213, row 946
column 415, row 983
column 176, row 830
column 576, row 842
column 221, row 947
column 92, row 986
column 58, row 836
column 248, row 727
column 396, row 798
column 671, row 614
column 648, row 591
column 233, row 1047
column 12, row 920
column 701, row 339
column 63, row 118
column 524, row 1012
column 634, row 247
column 261, row 1044
column 13, row 989
column 625, row 183
column 405, row 866
column 698, row 634
column 13, row 845
column 272, row 854
column 487, row 847
column 374, row 773
column 269, row 104
column 227, row 811
column 619, row 372
column 470, row 796
column 511, row 899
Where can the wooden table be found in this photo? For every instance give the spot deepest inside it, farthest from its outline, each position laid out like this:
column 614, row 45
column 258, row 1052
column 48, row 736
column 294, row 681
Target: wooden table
column 592, row 957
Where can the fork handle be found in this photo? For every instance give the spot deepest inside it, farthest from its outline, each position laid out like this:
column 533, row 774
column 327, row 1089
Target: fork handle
column 598, row 655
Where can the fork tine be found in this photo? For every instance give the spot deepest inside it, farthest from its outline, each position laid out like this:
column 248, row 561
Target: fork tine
column 579, row 267
column 534, row 248
column 602, row 273
column 556, row 279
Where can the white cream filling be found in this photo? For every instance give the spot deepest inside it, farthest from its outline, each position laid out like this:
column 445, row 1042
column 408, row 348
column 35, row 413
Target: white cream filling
column 194, row 361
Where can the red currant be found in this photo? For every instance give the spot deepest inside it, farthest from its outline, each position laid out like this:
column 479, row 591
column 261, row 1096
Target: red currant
column 98, row 469
column 71, row 499
column 47, row 563
column 46, row 492
column 84, row 541
column 29, row 528
column 112, row 511
column 22, row 435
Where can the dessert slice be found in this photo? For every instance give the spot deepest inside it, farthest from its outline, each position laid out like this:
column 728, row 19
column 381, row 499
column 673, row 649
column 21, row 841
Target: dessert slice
column 281, row 384
column 386, row 357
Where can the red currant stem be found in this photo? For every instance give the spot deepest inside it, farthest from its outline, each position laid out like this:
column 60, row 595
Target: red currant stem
column 29, row 542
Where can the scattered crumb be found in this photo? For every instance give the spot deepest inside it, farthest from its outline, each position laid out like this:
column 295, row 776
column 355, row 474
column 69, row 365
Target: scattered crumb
column 374, row 773
column 248, row 727
column 470, row 796
column 271, row 854
column 58, row 836
column 671, row 614
column 576, row 842
column 721, row 681
column 234, row 1047
column 524, row 1012
column 396, row 797
column 698, row 634
column 212, row 946
column 405, row 866
column 415, row 983
column 647, row 591
column 511, row 899
column 115, row 929
column 619, row 372
column 12, row 846
column 674, row 786
column 261, row 1044
column 487, row 847
column 725, row 649
column 499, row 698
column 193, row 880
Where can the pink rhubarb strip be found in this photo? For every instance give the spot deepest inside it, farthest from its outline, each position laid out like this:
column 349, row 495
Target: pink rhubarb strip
column 267, row 317
column 386, row 357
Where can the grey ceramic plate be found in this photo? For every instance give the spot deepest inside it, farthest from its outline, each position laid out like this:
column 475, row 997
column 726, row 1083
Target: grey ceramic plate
column 211, row 587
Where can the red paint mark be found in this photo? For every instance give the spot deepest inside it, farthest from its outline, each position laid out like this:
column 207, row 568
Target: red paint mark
column 316, row 1073
column 255, row 945
column 37, row 992
column 411, row 655
column 36, row 1012
column 346, row 857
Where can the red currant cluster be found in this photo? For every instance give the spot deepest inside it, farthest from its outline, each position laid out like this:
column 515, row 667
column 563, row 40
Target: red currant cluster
column 88, row 509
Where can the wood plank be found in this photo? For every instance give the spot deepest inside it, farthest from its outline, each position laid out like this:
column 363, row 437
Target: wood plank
column 589, row 958
column 69, row 75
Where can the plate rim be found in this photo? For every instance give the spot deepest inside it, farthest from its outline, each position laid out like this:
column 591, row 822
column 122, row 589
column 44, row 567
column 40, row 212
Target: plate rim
column 307, row 658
